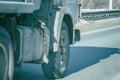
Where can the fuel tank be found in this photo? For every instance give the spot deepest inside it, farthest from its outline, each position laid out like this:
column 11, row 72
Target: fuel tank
column 31, row 41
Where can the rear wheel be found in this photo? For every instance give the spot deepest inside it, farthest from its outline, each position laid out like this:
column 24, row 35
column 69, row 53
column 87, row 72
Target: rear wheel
column 3, row 64
column 58, row 61
column 6, row 57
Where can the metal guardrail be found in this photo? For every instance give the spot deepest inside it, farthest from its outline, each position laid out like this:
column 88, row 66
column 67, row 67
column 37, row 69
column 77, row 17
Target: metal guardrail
column 98, row 15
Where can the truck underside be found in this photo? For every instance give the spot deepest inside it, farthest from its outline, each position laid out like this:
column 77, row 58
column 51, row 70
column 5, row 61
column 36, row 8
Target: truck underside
column 24, row 28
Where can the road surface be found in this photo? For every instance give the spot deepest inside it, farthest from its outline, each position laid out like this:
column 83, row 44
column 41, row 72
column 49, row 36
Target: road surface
column 95, row 57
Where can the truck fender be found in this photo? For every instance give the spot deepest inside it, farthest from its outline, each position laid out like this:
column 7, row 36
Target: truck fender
column 6, row 45
column 57, row 26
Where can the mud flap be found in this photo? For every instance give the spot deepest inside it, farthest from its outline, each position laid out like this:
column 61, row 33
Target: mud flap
column 46, row 43
column 77, row 35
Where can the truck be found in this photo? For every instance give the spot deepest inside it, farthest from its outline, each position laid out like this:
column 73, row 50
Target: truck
column 37, row 31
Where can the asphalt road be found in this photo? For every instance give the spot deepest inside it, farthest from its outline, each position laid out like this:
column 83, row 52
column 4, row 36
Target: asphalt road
column 80, row 58
column 95, row 57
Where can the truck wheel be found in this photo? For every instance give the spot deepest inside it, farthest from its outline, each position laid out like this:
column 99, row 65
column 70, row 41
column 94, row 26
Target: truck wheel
column 58, row 61
column 6, row 57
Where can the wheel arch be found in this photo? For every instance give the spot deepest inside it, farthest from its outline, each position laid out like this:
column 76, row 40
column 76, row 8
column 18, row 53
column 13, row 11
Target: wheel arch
column 68, row 20
column 62, row 14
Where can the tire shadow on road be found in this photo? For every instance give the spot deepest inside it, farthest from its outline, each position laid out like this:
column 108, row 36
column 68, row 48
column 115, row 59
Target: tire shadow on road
column 85, row 56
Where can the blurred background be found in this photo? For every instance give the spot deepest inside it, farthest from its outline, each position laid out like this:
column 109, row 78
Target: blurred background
column 100, row 4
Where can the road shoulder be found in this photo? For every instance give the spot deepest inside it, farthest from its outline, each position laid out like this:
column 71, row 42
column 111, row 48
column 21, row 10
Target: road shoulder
column 85, row 26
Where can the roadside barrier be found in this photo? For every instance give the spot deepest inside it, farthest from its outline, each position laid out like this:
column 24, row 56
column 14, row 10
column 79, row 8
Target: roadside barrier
column 99, row 15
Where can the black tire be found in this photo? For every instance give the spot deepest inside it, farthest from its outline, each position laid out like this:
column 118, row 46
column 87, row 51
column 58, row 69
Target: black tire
column 58, row 61
column 6, row 56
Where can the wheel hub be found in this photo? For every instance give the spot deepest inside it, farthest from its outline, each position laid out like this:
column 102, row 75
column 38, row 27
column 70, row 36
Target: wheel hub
column 62, row 54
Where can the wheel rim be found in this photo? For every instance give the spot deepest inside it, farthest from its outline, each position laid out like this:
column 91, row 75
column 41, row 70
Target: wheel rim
column 3, row 65
column 62, row 57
